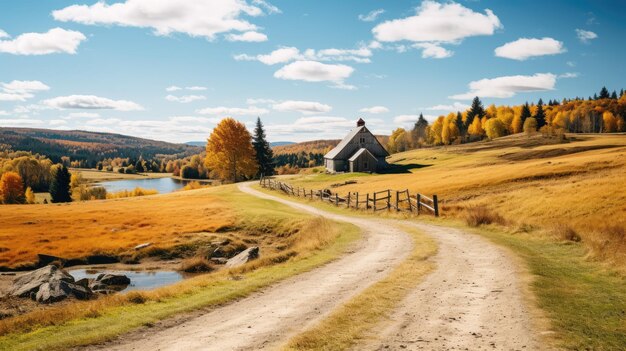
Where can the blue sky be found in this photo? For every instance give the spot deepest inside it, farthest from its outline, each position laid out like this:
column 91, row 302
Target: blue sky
column 169, row 70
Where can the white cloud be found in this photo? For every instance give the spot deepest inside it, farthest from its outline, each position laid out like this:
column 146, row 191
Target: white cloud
column 185, row 98
column 430, row 50
column 3, row 113
column 525, row 48
column 290, row 53
column 196, row 18
column 313, row 71
column 103, row 121
column 571, row 63
column 271, row 9
column 374, row 109
column 4, row 34
column 251, row 36
column 233, row 111
column 371, row 16
column 457, row 106
column 568, row 75
column 260, row 101
column 173, row 88
column 435, row 22
column 585, row 36
column 57, row 122
column 56, row 40
column 508, row 86
column 306, row 107
column 194, row 119
column 91, row 102
column 196, row 88
column 21, row 90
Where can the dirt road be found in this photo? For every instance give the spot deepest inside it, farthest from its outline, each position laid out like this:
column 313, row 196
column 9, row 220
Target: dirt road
column 471, row 301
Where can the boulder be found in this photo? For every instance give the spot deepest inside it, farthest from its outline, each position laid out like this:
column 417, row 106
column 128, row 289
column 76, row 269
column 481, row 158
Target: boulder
column 31, row 282
column 112, row 279
column 57, row 290
column 45, row 260
column 246, row 255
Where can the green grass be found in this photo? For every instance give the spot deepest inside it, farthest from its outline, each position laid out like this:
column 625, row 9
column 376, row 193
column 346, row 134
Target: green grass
column 202, row 291
column 584, row 301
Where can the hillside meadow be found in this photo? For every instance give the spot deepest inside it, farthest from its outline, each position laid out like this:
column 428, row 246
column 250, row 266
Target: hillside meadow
column 571, row 190
column 290, row 243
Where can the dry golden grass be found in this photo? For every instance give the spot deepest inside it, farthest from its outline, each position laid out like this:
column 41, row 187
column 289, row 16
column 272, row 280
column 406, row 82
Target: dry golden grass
column 132, row 193
column 528, row 181
column 77, row 230
column 281, row 233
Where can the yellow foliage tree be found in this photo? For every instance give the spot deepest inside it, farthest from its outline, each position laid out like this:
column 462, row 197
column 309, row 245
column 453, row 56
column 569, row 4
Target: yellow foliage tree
column 435, row 130
column 11, row 188
column 30, row 196
column 530, row 125
column 516, row 124
column 398, row 141
column 610, row 122
column 445, row 132
column 229, row 152
column 495, row 128
column 476, row 128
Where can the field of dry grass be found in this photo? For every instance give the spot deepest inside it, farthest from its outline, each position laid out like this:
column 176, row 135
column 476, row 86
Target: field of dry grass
column 562, row 188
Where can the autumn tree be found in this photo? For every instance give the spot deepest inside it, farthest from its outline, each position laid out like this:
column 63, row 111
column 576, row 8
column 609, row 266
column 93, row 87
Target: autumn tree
column 419, row 132
column 60, row 184
column 12, row 188
column 495, row 128
column 29, row 195
column 525, row 113
column 398, row 141
column 229, row 151
column 263, row 151
column 530, row 126
column 459, row 124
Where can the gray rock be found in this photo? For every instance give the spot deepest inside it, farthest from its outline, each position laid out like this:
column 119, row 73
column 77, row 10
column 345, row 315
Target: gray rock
column 112, row 279
column 31, row 282
column 57, row 290
column 243, row 257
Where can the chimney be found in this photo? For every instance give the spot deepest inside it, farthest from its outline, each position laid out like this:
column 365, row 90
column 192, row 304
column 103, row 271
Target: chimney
column 360, row 122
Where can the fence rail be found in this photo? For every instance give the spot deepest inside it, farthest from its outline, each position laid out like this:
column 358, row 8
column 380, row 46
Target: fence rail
column 398, row 200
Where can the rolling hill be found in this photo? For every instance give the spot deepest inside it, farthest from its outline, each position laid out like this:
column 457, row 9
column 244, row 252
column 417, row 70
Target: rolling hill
column 88, row 146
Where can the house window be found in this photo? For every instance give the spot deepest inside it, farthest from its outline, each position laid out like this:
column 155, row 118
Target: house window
column 362, row 140
column 365, row 165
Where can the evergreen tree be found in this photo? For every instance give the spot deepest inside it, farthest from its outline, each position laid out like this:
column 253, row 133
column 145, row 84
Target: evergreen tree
column 540, row 116
column 264, row 153
column 420, row 127
column 604, row 93
column 459, row 123
column 621, row 93
column 525, row 113
column 595, row 96
column 477, row 110
column 614, row 95
column 60, row 184
column 139, row 166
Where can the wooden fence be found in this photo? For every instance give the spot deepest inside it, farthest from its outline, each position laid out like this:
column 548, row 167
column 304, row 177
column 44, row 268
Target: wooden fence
column 378, row 201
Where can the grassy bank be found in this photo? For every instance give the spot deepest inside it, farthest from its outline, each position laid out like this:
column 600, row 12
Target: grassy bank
column 291, row 243
column 357, row 319
column 584, row 300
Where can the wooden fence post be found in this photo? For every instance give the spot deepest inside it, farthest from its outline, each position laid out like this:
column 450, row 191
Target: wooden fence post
column 367, row 201
column 357, row 200
column 388, row 200
column 336, row 199
column 348, row 202
column 397, row 206
column 436, row 205
column 374, row 201
column 419, row 203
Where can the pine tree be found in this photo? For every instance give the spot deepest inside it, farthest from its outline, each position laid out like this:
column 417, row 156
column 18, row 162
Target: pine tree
column 420, row 127
column 459, row 123
column 604, row 93
column 540, row 116
column 60, row 184
column 614, row 95
column 525, row 113
column 264, row 153
column 139, row 166
column 477, row 110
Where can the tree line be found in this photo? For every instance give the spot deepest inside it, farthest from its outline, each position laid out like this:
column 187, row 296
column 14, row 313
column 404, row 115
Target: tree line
column 603, row 113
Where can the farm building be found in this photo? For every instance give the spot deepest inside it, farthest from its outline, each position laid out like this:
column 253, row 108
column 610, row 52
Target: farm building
column 359, row 151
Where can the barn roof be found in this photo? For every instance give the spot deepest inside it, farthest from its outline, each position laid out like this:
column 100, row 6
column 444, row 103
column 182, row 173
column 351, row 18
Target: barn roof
column 343, row 143
column 359, row 153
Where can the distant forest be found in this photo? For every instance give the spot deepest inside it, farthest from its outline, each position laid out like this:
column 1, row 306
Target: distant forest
column 89, row 148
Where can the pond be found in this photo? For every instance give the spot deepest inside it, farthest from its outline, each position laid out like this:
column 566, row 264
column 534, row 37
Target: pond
column 139, row 280
column 162, row 185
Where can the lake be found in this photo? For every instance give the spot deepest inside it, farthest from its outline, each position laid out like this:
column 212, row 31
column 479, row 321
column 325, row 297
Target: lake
column 162, row 185
column 139, row 280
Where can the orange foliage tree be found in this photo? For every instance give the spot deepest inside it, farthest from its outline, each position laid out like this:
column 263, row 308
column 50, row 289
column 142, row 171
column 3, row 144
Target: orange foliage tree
column 229, row 152
column 12, row 188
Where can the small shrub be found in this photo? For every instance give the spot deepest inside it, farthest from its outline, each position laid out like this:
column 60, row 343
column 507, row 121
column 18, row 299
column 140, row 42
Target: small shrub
column 196, row 265
column 480, row 215
column 565, row 232
column 136, row 297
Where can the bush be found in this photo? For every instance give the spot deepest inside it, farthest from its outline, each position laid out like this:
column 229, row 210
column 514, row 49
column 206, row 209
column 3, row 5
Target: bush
column 130, row 170
column 194, row 186
column 189, row 172
column 479, row 215
column 196, row 265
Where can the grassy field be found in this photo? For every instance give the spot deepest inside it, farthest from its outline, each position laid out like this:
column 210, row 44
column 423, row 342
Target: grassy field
column 572, row 189
column 290, row 242
column 357, row 319
column 583, row 301
column 95, row 176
